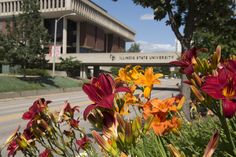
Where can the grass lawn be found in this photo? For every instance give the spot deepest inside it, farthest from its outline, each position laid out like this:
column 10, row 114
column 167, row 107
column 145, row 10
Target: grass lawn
column 11, row 83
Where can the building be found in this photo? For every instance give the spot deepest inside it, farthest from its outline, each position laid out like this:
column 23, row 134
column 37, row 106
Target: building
column 92, row 35
column 92, row 29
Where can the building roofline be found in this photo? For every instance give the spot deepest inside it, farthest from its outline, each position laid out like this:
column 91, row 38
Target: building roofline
column 105, row 13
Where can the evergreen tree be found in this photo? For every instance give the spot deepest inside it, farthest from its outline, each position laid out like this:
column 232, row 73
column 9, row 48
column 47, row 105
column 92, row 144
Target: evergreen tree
column 27, row 38
column 135, row 47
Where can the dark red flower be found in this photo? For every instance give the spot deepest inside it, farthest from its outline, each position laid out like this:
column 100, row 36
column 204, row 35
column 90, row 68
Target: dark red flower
column 67, row 111
column 223, row 87
column 12, row 148
column 74, row 123
column 28, row 134
column 46, row 153
column 229, row 108
column 186, row 61
column 83, row 142
column 101, row 91
column 37, row 107
column 231, row 65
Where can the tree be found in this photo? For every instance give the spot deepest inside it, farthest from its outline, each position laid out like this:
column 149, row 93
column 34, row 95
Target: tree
column 189, row 15
column 135, row 47
column 185, row 16
column 27, row 38
column 225, row 35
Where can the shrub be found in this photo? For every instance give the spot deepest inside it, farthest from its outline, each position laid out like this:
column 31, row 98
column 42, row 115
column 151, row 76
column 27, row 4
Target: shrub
column 71, row 66
column 34, row 72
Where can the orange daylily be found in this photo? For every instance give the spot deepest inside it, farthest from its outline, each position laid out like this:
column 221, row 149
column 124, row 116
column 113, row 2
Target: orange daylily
column 129, row 74
column 123, row 74
column 148, row 80
column 161, row 109
column 161, row 127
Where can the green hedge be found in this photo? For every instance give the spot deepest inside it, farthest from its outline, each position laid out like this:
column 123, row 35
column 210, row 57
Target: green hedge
column 34, row 72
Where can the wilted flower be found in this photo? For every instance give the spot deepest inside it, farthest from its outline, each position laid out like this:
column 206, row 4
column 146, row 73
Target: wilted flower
column 211, row 146
column 67, row 111
column 102, row 92
column 46, row 153
column 37, row 107
column 83, row 142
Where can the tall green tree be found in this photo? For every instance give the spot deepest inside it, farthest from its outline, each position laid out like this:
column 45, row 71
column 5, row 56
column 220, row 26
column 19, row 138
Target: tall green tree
column 184, row 17
column 27, row 38
column 134, row 47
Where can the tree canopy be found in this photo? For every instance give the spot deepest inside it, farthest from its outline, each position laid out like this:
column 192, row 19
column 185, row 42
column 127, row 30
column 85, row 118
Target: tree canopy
column 185, row 16
column 23, row 42
column 134, row 47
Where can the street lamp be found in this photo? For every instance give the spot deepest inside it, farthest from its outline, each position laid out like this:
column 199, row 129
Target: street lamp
column 55, row 41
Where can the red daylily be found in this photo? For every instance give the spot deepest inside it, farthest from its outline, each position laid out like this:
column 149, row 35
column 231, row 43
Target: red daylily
column 186, row 61
column 231, row 65
column 46, row 153
column 83, row 142
column 110, row 125
column 74, row 123
column 37, row 107
column 28, row 134
column 12, row 148
column 101, row 91
column 67, row 110
column 223, row 87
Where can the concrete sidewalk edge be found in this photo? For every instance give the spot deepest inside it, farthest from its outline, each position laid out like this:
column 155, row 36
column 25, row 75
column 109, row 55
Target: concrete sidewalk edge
column 5, row 95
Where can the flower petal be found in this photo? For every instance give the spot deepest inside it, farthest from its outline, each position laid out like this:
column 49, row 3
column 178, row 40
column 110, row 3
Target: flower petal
column 91, row 91
column 122, row 89
column 88, row 110
column 229, row 108
column 106, row 83
column 107, row 102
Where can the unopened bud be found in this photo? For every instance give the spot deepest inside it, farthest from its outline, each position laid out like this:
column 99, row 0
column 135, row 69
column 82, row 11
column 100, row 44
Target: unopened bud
column 197, row 93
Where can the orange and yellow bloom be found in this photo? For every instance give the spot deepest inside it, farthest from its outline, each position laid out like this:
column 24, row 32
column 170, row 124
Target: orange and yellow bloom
column 147, row 80
column 164, row 112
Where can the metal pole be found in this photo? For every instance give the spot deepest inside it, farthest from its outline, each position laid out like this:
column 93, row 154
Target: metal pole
column 54, row 50
column 55, row 42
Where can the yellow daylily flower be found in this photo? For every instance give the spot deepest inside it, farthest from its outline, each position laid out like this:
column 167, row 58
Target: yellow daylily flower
column 148, row 80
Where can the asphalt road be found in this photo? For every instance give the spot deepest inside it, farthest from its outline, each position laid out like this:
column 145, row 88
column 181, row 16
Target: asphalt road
column 11, row 110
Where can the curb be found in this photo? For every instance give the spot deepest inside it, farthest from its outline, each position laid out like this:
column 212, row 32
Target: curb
column 5, row 95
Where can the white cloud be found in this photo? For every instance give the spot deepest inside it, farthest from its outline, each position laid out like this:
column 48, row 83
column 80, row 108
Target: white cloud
column 147, row 17
column 155, row 47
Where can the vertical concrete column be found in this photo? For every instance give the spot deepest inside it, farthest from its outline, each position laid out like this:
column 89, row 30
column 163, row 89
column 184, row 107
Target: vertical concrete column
column 106, row 43
column 11, row 7
column 96, row 70
column 68, row 4
column 83, row 71
column 64, row 40
column 78, row 37
column 19, row 6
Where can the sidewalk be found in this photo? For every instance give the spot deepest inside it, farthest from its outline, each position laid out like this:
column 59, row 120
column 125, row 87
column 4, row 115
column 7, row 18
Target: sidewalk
column 5, row 95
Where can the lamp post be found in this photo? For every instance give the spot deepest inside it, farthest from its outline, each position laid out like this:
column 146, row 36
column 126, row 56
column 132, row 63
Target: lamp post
column 55, row 41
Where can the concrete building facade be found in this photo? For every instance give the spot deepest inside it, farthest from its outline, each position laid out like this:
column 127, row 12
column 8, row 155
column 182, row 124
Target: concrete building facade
column 91, row 30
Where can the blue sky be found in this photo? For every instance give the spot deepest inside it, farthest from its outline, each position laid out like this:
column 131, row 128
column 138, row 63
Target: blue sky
column 152, row 35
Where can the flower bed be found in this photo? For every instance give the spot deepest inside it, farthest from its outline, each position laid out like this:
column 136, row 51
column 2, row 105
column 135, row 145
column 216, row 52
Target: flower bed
column 159, row 127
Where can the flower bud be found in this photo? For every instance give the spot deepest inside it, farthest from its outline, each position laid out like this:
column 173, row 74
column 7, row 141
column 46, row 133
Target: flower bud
column 197, row 93
column 197, row 79
column 148, row 123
